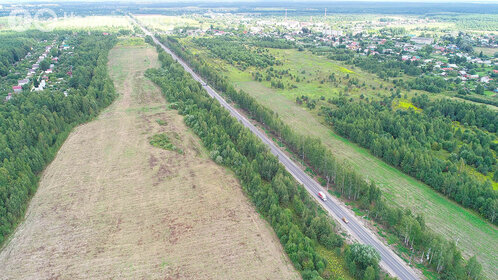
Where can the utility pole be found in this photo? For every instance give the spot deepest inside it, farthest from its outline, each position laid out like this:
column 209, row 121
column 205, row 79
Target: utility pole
column 285, row 14
column 325, row 12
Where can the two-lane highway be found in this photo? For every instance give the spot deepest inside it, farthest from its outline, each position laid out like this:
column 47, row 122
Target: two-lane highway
column 389, row 260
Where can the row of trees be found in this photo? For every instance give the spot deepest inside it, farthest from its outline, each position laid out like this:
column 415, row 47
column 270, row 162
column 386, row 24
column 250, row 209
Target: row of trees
column 297, row 220
column 270, row 42
column 433, row 249
column 409, row 140
column 463, row 112
column 478, row 99
column 33, row 125
column 434, row 84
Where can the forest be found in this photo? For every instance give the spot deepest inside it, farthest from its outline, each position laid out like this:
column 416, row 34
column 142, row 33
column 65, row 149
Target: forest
column 432, row 249
column 410, row 140
column 14, row 46
column 33, row 125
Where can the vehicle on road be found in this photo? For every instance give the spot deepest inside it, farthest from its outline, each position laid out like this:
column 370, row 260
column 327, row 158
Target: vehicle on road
column 345, row 220
column 322, row 196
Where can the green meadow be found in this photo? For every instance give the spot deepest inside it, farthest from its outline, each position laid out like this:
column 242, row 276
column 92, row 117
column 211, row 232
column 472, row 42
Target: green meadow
column 473, row 234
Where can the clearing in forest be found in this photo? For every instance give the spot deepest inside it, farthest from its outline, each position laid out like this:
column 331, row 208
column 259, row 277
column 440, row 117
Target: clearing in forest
column 111, row 205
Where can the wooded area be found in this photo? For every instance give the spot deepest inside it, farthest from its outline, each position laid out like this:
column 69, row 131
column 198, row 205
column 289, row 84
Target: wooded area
column 33, row 125
column 409, row 141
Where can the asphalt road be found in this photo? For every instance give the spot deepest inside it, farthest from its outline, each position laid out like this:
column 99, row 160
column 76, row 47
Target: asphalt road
column 389, row 260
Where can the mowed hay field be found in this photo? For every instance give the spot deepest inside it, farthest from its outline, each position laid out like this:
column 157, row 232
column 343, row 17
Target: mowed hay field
column 474, row 235
column 113, row 206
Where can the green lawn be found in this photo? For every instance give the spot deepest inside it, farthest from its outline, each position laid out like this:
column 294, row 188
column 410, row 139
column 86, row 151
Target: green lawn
column 474, row 235
column 489, row 93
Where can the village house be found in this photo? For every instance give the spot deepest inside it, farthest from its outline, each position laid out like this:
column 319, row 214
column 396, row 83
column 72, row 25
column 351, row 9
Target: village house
column 17, row 89
column 23, row 82
column 485, row 79
column 422, row 40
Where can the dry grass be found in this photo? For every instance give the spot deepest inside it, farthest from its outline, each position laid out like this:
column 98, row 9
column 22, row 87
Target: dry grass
column 113, row 206
column 168, row 23
column 89, row 22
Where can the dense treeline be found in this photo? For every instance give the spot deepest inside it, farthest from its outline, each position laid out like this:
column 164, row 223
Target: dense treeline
column 15, row 46
column 33, row 126
column 465, row 113
column 433, row 249
column 408, row 140
column 478, row 99
column 387, row 67
column 295, row 217
column 382, row 66
column 271, row 42
column 236, row 53
column 428, row 83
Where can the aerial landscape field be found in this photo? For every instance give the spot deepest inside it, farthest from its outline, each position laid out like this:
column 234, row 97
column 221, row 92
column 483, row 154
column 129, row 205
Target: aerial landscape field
column 249, row 140
column 98, row 201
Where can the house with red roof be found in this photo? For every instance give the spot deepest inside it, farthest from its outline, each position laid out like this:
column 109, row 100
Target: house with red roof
column 17, row 89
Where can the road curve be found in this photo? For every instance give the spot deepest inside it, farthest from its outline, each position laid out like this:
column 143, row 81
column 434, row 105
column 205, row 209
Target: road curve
column 389, row 260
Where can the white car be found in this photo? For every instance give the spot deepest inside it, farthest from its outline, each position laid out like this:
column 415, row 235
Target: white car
column 322, row 196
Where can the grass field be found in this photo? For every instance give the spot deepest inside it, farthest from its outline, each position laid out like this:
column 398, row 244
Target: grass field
column 486, row 51
column 314, row 72
column 474, row 235
column 112, row 206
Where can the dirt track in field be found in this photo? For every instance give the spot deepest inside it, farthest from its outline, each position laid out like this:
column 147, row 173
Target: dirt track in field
column 112, row 206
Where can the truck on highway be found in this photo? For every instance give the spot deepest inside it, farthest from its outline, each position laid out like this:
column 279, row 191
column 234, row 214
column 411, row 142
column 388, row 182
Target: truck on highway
column 322, row 196
column 345, row 220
